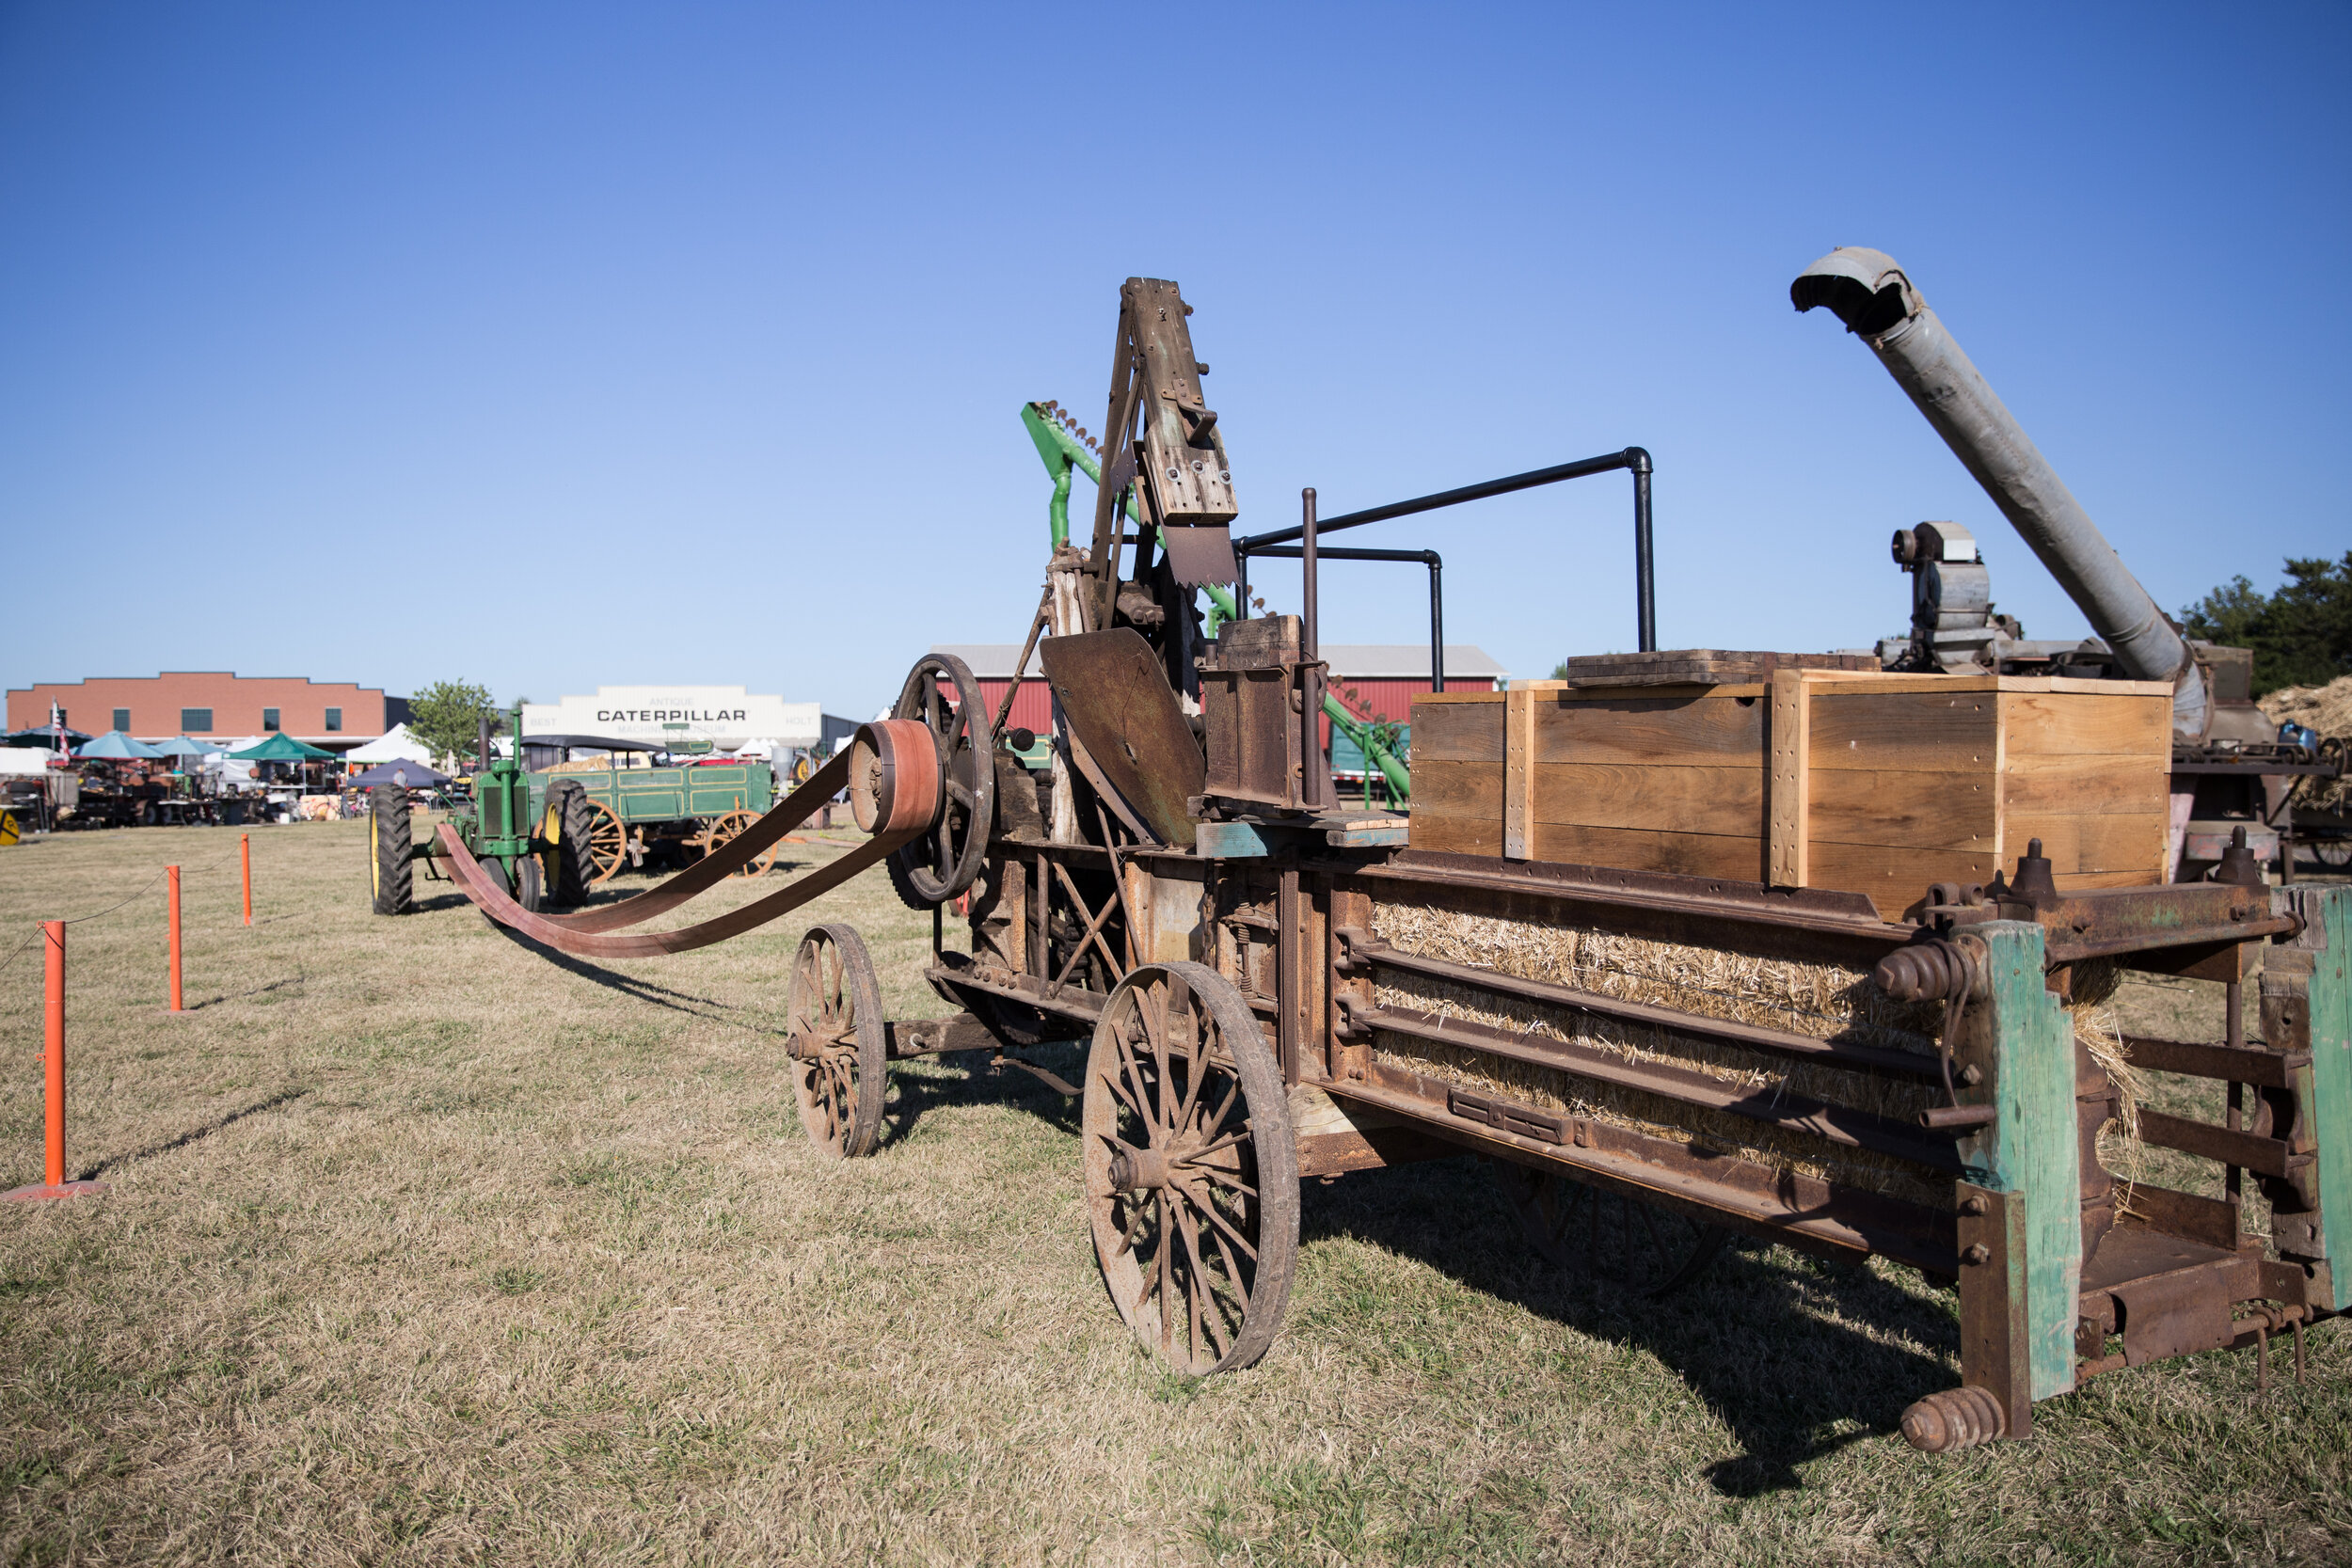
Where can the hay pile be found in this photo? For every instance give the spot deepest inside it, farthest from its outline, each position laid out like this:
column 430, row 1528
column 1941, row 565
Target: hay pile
column 2329, row 710
column 1824, row 1001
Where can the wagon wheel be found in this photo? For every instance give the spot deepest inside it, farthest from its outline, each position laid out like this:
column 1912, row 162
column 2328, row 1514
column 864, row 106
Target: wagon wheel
column 1191, row 1174
column 837, row 1044
column 608, row 844
column 2333, row 853
column 729, row 825
column 1634, row 1245
column 935, row 868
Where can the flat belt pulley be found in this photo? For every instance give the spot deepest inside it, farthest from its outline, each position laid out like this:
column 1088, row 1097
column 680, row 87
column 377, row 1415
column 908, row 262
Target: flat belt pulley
column 894, row 772
column 941, row 695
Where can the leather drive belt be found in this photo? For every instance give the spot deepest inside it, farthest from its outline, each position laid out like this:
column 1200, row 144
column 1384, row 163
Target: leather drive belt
column 892, row 772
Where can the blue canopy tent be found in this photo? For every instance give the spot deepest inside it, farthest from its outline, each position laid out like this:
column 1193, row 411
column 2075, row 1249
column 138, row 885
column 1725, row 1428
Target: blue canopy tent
column 180, row 746
column 114, row 746
column 407, row 772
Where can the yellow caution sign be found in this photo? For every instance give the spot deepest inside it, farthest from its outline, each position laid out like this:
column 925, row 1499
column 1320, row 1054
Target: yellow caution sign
column 9, row 831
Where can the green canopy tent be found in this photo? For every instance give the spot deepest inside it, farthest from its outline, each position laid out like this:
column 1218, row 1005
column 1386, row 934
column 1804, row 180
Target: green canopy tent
column 280, row 748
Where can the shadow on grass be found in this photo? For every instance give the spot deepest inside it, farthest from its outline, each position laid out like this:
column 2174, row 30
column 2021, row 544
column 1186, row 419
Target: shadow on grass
column 1757, row 1335
column 113, row 1162
column 641, row 991
column 967, row 1078
column 239, row 996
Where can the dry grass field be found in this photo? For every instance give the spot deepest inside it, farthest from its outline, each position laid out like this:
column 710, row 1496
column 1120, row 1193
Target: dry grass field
column 424, row 1247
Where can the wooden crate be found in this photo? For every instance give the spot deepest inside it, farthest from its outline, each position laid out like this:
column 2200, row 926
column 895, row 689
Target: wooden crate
column 1870, row 783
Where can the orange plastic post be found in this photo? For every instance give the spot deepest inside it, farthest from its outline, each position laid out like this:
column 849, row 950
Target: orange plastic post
column 52, row 942
column 53, row 996
column 171, row 878
column 244, row 853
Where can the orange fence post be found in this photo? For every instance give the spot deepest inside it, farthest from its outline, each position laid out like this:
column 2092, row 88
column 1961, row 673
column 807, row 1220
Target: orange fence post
column 52, row 998
column 244, row 853
column 171, row 880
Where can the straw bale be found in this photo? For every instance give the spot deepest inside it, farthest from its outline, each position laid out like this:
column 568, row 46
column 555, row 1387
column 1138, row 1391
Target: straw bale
column 1826, row 1001
column 2329, row 710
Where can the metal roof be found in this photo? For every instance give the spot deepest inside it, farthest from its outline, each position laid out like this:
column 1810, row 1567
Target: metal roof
column 1348, row 660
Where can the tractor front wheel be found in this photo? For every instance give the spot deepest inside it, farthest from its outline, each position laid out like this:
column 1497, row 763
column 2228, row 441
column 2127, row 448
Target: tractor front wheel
column 530, row 887
column 392, row 879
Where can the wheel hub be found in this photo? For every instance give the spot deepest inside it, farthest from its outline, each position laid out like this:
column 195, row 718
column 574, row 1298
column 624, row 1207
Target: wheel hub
column 1135, row 1169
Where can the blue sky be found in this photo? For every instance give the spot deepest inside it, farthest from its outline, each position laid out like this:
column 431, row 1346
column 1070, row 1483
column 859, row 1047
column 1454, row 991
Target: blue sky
column 549, row 346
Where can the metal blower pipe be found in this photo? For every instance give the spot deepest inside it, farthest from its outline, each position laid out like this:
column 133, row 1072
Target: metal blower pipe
column 1874, row 296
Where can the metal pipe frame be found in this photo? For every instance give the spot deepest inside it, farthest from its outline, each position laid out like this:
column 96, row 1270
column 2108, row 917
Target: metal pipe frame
column 1430, row 558
column 1633, row 458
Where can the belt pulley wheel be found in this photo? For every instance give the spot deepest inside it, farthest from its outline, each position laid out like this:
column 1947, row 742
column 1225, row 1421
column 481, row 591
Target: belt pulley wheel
column 941, row 694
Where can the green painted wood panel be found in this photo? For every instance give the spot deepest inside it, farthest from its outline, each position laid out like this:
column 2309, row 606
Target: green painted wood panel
column 2331, row 1078
column 2034, row 1150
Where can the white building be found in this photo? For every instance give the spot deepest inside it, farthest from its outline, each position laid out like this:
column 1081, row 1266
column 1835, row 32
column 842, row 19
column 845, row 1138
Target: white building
column 730, row 717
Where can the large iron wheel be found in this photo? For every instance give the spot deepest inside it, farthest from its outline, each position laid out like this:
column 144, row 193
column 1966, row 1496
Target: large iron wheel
column 1191, row 1174
column 730, row 825
column 1634, row 1245
column 838, row 1045
column 935, row 868
column 608, row 844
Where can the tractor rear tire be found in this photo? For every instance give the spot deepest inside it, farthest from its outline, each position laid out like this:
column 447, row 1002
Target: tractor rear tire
column 391, row 876
column 575, row 818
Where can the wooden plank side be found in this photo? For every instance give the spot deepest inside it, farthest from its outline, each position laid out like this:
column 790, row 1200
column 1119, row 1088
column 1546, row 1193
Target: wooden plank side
column 1472, row 789
column 2078, row 724
column 1518, row 774
column 2093, row 785
column 1720, row 801
column 1614, row 731
column 1462, row 728
column 1918, row 811
column 1895, row 879
column 1463, row 835
column 1789, row 828
column 1740, row 859
column 2141, row 843
column 1921, row 732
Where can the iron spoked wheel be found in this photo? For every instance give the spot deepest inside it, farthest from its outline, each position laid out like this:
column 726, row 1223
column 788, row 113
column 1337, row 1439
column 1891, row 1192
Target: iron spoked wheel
column 608, row 844
column 1191, row 1174
column 934, row 870
column 391, row 876
column 2333, row 853
column 838, row 1046
column 1634, row 1245
column 730, row 825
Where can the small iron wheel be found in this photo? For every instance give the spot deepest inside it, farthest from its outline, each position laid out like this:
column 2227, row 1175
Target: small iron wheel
column 837, row 1042
column 1191, row 1173
column 1637, row 1246
column 608, row 844
column 730, row 825
column 934, row 870
column 2333, row 853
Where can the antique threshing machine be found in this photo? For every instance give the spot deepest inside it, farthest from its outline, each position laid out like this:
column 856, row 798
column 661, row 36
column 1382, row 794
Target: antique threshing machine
column 1689, row 945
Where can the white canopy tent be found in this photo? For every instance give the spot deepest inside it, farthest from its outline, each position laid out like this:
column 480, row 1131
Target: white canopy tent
column 394, row 745
column 24, row 761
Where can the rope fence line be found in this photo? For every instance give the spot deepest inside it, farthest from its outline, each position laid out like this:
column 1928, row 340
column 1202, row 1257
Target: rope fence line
column 161, row 872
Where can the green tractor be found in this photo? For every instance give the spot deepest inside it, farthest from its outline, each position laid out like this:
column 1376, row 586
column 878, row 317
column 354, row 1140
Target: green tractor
column 529, row 830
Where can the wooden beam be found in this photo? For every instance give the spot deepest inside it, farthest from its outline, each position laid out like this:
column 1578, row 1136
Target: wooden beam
column 1518, row 774
column 1789, row 826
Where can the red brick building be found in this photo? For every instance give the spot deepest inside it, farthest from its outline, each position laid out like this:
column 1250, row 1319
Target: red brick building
column 337, row 715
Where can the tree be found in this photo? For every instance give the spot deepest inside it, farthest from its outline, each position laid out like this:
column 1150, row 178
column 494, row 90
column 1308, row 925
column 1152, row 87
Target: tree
column 2302, row 635
column 447, row 716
